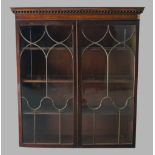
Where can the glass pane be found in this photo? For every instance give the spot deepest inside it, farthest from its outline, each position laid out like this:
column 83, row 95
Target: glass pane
column 46, row 60
column 108, row 64
column 59, row 63
column 33, row 64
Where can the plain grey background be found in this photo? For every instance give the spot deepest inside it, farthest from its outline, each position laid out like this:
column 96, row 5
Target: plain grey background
column 144, row 142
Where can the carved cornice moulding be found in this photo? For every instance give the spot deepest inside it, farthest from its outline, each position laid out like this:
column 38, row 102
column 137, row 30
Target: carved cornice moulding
column 80, row 11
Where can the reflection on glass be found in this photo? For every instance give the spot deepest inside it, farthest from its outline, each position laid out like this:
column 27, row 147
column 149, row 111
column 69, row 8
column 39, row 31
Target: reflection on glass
column 108, row 68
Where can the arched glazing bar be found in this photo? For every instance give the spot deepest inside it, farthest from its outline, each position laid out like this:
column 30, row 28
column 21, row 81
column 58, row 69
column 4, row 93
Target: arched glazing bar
column 46, row 54
column 118, row 43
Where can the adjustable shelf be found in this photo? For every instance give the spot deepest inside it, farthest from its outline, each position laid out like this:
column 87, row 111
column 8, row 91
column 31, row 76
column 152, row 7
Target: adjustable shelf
column 47, row 113
column 83, row 81
column 49, row 81
column 86, row 111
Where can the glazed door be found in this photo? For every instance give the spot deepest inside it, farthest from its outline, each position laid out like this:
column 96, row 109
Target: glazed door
column 77, row 83
column 108, row 66
column 46, row 61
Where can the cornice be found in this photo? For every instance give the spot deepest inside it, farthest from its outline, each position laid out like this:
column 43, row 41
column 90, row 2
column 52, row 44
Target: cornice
column 80, row 11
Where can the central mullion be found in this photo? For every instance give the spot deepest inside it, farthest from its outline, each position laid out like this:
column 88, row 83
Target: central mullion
column 75, row 83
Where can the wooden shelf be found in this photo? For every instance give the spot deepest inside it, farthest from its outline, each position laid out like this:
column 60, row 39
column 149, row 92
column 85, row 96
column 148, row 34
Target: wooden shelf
column 47, row 113
column 83, row 81
column 85, row 111
column 49, row 81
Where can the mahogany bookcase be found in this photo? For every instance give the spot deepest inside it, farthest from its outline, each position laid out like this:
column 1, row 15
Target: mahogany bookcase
column 77, row 76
